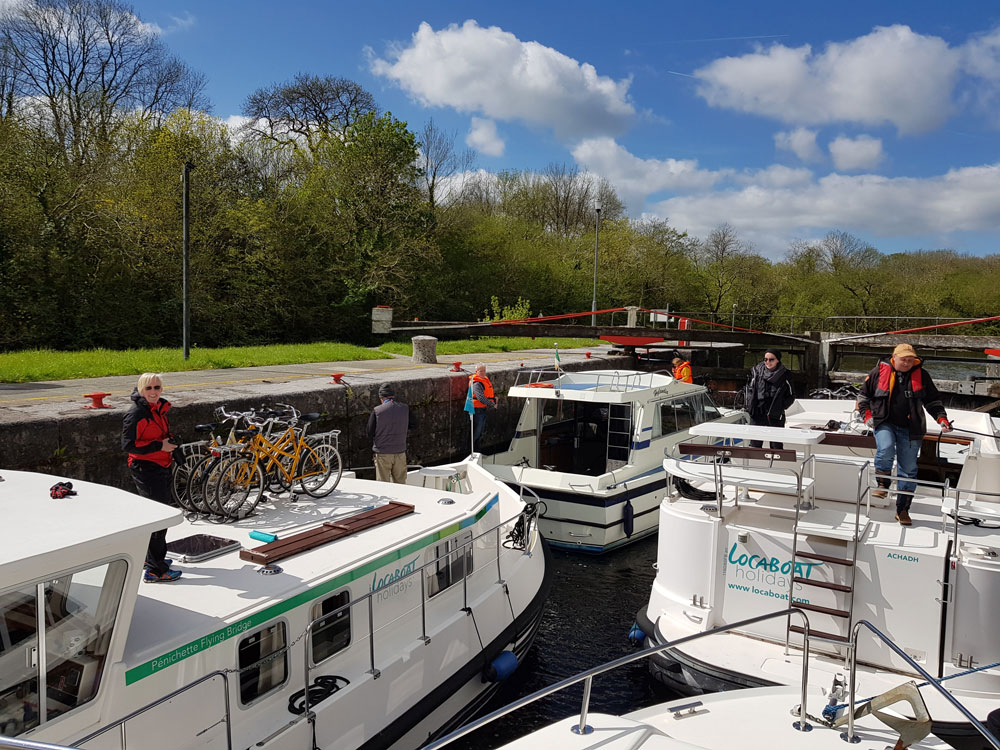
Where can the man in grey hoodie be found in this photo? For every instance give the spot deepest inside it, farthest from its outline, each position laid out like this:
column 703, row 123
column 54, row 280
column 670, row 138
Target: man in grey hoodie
column 387, row 428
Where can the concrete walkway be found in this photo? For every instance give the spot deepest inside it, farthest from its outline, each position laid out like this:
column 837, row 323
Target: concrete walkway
column 20, row 401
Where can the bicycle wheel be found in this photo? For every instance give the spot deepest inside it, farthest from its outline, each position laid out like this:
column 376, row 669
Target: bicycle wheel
column 180, row 478
column 278, row 480
column 239, row 486
column 196, row 484
column 317, row 465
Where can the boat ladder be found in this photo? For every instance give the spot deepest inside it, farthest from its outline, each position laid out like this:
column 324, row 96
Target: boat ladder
column 619, row 435
column 830, row 527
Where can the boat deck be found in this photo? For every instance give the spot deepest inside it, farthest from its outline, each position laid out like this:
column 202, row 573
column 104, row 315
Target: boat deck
column 217, row 591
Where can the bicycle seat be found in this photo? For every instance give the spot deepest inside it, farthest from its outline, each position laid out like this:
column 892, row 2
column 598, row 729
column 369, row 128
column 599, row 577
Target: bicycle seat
column 204, row 427
column 278, row 413
column 244, row 433
column 310, row 417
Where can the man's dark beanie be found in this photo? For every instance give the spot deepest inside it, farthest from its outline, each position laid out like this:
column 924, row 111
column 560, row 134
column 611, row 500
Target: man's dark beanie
column 385, row 391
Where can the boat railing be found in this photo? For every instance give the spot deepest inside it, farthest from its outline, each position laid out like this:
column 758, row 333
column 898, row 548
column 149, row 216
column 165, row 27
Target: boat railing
column 367, row 600
column 11, row 743
column 530, row 377
column 587, row 678
column 848, row 736
column 618, row 381
column 958, row 518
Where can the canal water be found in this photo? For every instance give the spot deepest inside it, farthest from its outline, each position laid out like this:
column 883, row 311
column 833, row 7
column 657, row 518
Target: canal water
column 590, row 610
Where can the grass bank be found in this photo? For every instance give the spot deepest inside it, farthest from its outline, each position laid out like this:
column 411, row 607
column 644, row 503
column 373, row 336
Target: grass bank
column 46, row 364
column 493, row 344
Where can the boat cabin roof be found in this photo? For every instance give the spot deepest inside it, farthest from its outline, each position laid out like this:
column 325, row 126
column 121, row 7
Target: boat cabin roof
column 40, row 530
column 601, row 386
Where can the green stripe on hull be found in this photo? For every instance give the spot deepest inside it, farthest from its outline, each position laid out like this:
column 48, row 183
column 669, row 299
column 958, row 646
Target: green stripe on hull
column 249, row 623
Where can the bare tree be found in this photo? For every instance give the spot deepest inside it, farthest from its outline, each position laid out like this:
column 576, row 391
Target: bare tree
column 721, row 259
column 854, row 266
column 306, row 109
column 91, row 64
column 440, row 161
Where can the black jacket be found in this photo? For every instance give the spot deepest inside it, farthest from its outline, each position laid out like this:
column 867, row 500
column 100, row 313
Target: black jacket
column 769, row 393
column 918, row 390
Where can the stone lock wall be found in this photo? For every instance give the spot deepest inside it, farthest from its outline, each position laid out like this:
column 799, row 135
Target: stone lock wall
column 75, row 444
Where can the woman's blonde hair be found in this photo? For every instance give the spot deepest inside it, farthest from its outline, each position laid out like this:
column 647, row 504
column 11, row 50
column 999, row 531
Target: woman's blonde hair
column 146, row 379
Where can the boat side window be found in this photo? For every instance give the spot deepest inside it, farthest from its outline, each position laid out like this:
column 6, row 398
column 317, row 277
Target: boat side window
column 333, row 632
column 708, row 409
column 78, row 611
column 263, row 662
column 674, row 416
column 454, row 561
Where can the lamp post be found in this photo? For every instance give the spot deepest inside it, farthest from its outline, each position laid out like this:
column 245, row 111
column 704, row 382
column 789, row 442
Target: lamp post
column 597, row 244
column 185, row 252
column 734, row 316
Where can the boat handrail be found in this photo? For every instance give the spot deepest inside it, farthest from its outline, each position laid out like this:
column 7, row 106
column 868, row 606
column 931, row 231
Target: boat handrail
column 12, row 743
column 717, row 463
column 955, row 513
column 848, row 736
column 588, row 675
column 368, row 598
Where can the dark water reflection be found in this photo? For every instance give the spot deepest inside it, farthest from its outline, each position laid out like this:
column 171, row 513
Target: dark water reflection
column 590, row 610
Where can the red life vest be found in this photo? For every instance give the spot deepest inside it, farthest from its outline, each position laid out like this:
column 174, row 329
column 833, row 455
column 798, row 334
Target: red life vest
column 487, row 390
column 682, row 372
column 886, row 380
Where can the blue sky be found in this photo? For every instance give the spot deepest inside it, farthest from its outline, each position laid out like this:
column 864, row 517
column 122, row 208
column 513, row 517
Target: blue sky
column 786, row 119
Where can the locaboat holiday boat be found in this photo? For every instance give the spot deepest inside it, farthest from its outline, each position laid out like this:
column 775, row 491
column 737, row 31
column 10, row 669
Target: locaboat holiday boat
column 799, row 716
column 382, row 615
column 590, row 446
column 750, row 528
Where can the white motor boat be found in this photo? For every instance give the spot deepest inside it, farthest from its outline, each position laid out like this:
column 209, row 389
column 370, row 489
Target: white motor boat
column 752, row 719
column 379, row 616
column 590, row 446
column 756, row 527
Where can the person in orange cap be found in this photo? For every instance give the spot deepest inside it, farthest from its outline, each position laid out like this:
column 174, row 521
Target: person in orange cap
column 893, row 399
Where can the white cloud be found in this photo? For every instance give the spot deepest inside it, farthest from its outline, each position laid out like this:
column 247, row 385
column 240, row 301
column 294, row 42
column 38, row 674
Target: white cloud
column 850, row 154
column 491, row 72
column 966, row 199
column 484, row 138
column 981, row 59
column 775, row 176
column 635, row 178
column 892, row 75
column 801, row 142
column 179, row 23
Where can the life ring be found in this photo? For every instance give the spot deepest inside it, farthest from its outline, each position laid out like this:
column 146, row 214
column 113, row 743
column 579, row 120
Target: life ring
column 541, row 385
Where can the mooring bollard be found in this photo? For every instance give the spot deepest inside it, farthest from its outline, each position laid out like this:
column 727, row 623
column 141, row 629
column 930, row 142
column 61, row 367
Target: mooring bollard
column 97, row 401
column 425, row 349
column 457, row 367
column 338, row 378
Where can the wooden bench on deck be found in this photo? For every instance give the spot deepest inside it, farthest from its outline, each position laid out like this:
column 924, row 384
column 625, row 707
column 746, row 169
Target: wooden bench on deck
column 327, row 532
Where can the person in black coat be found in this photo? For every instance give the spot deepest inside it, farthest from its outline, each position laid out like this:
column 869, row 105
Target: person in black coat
column 768, row 394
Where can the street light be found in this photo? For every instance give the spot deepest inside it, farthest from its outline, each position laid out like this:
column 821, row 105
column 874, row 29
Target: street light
column 597, row 244
column 185, row 264
column 734, row 316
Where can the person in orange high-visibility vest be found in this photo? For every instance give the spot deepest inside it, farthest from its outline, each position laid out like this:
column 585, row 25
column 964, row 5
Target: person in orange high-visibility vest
column 482, row 399
column 682, row 370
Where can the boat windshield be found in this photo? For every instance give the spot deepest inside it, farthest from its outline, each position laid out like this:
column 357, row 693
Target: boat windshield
column 581, row 438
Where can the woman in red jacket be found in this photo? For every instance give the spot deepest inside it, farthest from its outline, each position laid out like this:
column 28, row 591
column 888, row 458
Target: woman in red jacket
column 147, row 439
